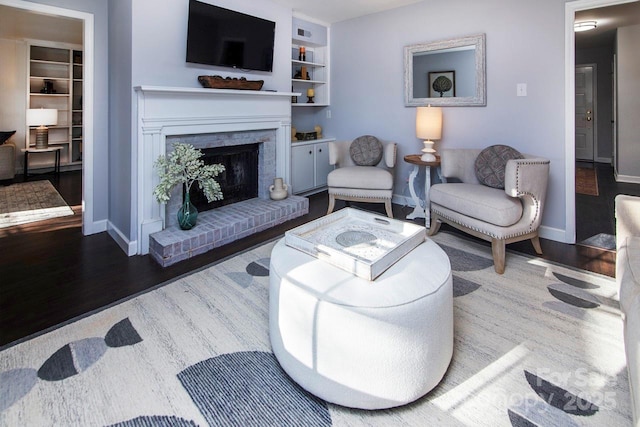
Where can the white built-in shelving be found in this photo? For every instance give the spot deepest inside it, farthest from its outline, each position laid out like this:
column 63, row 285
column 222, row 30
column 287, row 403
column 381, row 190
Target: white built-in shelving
column 55, row 79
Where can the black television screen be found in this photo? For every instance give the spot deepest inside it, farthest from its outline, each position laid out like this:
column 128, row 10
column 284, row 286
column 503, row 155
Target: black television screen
column 223, row 37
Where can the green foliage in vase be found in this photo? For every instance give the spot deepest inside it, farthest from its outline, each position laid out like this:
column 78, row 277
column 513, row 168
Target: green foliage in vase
column 184, row 166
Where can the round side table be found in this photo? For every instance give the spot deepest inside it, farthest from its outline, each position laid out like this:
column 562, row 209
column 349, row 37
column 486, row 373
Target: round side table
column 418, row 211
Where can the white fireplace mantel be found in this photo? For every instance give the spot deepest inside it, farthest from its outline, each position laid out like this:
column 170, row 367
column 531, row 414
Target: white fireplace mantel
column 170, row 111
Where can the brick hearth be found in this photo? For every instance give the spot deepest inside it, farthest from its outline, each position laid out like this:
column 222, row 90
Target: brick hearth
column 223, row 225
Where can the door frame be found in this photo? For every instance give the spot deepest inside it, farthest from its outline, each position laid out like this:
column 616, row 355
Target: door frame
column 569, row 81
column 88, row 225
column 594, row 89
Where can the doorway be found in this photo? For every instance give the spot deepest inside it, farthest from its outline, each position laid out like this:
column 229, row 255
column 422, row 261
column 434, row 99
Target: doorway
column 571, row 9
column 88, row 224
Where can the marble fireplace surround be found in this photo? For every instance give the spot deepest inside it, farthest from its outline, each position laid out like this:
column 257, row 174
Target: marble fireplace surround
column 166, row 112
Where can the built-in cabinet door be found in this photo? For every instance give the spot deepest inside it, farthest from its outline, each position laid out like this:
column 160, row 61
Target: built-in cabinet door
column 302, row 162
column 322, row 164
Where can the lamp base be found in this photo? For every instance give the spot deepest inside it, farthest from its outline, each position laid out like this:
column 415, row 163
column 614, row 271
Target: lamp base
column 428, row 157
column 42, row 138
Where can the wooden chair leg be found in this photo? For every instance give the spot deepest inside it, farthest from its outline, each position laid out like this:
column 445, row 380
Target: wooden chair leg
column 435, row 224
column 387, row 207
column 535, row 241
column 498, row 251
column 332, row 203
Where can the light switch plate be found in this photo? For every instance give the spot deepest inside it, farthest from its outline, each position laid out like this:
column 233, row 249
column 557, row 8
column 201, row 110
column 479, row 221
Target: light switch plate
column 521, row 89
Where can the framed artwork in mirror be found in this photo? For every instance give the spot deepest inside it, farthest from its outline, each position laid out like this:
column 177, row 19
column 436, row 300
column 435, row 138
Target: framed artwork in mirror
column 442, row 84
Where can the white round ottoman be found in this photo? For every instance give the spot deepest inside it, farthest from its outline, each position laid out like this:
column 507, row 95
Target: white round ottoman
column 358, row 343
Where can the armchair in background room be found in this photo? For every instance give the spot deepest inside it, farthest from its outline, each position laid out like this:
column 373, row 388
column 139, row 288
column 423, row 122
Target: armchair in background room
column 363, row 173
column 499, row 196
column 7, row 156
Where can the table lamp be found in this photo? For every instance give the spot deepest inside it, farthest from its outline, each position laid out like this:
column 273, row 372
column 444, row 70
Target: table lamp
column 42, row 117
column 428, row 127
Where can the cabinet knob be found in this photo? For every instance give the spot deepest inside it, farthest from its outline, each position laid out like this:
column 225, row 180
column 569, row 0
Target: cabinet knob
column 320, row 150
column 310, row 152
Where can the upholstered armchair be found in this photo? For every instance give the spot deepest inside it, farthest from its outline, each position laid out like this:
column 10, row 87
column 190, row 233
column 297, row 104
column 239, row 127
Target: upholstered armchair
column 498, row 215
column 363, row 173
column 7, row 161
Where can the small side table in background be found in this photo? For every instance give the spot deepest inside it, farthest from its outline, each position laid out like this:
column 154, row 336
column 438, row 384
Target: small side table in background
column 27, row 151
column 418, row 211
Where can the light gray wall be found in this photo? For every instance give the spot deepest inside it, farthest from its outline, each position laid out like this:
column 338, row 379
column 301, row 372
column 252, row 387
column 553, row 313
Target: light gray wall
column 603, row 58
column 121, row 99
column 628, row 156
column 367, row 81
column 160, row 41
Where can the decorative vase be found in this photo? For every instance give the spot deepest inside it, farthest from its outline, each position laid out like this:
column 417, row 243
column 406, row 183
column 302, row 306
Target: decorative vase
column 279, row 190
column 187, row 214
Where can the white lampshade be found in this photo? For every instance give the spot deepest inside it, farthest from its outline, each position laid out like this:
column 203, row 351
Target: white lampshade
column 42, row 117
column 429, row 122
column 428, row 127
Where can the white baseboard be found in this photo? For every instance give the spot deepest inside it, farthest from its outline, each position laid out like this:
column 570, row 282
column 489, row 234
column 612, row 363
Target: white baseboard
column 94, row 227
column 627, row 178
column 555, row 234
column 130, row 248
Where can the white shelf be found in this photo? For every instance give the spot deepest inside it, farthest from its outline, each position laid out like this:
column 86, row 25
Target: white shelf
column 308, row 81
column 305, row 104
column 53, row 62
column 42, row 61
column 317, row 68
column 307, row 63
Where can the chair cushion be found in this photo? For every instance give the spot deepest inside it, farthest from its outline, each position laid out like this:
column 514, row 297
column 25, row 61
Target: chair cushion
column 5, row 135
column 492, row 162
column 628, row 273
column 486, row 204
column 360, row 177
column 366, row 151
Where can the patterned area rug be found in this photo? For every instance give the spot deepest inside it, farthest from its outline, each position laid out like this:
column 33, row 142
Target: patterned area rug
column 540, row 345
column 29, row 202
column 586, row 181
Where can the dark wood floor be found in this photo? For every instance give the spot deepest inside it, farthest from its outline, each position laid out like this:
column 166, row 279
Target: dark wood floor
column 50, row 273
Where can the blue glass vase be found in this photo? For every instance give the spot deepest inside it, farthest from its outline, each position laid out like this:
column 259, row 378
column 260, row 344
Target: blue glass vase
column 187, row 214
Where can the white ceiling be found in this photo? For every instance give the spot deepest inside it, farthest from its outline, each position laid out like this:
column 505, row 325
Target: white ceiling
column 22, row 24
column 330, row 11
column 608, row 19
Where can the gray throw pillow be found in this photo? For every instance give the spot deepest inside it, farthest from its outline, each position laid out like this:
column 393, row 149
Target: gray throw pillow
column 491, row 164
column 366, row 151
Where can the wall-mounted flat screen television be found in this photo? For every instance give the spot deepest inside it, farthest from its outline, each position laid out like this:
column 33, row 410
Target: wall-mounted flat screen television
column 223, row 37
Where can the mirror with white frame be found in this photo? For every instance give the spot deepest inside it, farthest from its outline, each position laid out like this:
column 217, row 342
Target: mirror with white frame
column 446, row 73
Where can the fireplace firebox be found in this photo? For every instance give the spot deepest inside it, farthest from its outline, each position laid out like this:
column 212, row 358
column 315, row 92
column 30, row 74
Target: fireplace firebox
column 238, row 182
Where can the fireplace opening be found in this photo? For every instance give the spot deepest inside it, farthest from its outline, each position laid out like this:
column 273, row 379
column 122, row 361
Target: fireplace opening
column 239, row 181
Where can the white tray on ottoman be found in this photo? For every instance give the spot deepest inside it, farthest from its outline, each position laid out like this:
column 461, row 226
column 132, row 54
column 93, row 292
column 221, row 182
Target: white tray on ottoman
column 362, row 243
